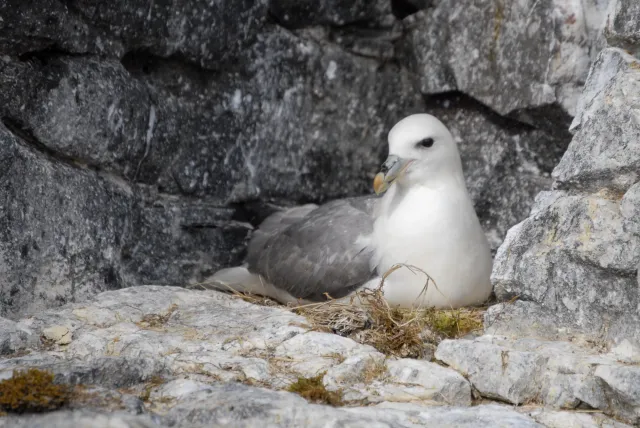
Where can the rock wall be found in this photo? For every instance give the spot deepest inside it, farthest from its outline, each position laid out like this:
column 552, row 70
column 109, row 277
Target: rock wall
column 140, row 141
column 574, row 261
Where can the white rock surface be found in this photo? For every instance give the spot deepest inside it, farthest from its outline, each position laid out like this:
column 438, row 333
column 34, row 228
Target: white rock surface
column 555, row 374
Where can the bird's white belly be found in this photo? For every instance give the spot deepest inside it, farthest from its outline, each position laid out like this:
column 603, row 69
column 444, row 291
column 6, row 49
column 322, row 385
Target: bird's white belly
column 442, row 240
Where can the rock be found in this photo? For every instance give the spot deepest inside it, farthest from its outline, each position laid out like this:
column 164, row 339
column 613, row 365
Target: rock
column 367, row 378
column 247, row 406
column 355, row 371
column 577, row 254
column 481, row 415
column 187, row 353
column 596, row 285
column 13, row 337
column 605, row 153
column 623, row 28
column 60, row 230
column 79, row 419
column 501, row 374
column 621, row 387
column 195, row 358
column 70, row 232
column 518, row 58
column 559, row 375
column 58, row 334
column 311, row 354
column 296, row 14
column 559, row 419
column 203, row 32
column 423, row 380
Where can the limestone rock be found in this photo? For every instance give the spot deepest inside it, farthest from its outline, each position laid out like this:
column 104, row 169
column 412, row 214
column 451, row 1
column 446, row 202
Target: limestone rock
column 605, row 151
column 58, row 334
column 560, row 419
column 559, row 375
column 79, row 419
column 623, row 25
column 577, row 255
column 516, row 57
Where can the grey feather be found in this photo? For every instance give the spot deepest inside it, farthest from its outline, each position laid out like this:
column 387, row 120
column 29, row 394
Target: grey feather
column 310, row 251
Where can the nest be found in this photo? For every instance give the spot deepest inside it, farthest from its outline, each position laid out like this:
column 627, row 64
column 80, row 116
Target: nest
column 368, row 319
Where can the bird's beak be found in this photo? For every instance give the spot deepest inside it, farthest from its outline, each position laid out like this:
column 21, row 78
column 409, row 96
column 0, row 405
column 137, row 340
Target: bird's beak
column 391, row 169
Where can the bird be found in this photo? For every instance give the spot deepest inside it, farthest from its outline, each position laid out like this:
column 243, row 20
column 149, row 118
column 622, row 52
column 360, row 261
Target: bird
column 418, row 239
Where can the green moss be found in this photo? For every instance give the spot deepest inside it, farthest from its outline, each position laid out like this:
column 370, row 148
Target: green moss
column 32, row 391
column 313, row 390
column 454, row 323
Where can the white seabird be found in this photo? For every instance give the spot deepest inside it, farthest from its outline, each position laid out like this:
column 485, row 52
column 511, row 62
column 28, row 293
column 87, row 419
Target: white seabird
column 424, row 219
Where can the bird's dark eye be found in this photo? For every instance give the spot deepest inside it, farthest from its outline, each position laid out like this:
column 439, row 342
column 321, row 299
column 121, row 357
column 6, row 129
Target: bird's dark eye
column 426, row 142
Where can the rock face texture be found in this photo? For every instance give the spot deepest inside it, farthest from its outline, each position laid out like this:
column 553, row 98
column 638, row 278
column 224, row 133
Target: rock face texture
column 155, row 135
column 141, row 142
column 574, row 261
column 160, row 356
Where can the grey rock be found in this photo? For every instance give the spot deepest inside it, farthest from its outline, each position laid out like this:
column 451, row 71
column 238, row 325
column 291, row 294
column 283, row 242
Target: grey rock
column 79, row 419
column 621, row 389
column 311, row 354
column 560, row 375
column 187, row 353
column 563, row 419
column 517, row 58
column 623, row 25
column 243, row 406
column 574, row 258
column 481, row 415
column 207, row 33
column 296, row 14
column 13, row 337
column 493, row 371
column 430, row 381
column 605, row 151
column 70, row 231
column 60, row 229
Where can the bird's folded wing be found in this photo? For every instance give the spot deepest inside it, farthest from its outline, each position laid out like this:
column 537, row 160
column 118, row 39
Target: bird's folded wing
column 324, row 251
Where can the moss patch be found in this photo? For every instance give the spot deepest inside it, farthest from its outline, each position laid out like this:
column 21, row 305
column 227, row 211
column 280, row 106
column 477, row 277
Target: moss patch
column 33, row 391
column 312, row 389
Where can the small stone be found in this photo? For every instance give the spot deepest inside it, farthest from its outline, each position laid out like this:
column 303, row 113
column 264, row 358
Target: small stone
column 58, row 334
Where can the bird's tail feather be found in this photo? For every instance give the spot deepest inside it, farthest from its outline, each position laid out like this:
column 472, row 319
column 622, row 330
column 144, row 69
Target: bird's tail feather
column 240, row 279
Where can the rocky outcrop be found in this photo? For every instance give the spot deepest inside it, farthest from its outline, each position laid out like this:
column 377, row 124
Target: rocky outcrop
column 528, row 60
column 574, row 261
column 166, row 356
column 208, row 116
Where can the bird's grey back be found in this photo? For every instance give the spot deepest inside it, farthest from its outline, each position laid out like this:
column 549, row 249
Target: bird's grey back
column 309, row 250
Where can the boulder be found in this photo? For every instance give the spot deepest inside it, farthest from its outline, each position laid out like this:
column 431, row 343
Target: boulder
column 527, row 60
column 577, row 255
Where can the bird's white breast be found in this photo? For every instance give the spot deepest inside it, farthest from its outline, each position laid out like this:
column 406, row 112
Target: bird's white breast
column 437, row 231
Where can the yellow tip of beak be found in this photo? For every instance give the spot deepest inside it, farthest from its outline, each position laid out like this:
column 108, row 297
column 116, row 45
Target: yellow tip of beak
column 378, row 183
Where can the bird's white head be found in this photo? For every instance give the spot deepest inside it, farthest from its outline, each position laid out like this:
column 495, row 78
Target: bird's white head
column 421, row 149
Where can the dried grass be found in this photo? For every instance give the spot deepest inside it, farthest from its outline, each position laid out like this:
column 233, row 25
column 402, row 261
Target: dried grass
column 392, row 331
column 404, row 333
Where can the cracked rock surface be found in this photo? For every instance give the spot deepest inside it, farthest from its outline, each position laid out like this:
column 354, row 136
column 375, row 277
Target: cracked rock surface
column 167, row 356
column 191, row 123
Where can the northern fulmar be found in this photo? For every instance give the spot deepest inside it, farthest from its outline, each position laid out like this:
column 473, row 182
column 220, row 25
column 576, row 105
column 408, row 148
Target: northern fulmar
column 424, row 221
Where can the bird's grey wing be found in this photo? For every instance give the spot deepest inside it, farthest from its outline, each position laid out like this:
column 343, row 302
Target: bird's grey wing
column 275, row 224
column 326, row 251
